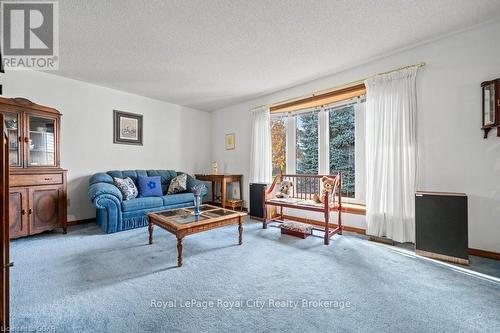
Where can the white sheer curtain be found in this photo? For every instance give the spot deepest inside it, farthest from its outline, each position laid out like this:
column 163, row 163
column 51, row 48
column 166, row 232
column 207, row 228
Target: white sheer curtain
column 391, row 154
column 260, row 152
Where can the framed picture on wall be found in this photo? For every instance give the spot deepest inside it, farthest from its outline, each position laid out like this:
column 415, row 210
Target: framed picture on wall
column 127, row 128
column 230, row 144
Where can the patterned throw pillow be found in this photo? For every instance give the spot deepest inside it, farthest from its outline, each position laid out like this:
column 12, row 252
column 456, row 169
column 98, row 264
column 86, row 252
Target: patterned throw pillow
column 150, row 186
column 127, row 187
column 178, row 184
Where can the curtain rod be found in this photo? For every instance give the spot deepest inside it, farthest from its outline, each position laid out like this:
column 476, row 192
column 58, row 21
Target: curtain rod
column 353, row 83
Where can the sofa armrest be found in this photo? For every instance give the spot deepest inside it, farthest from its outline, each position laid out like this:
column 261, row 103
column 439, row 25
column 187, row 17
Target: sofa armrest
column 97, row 190
column 191, row 181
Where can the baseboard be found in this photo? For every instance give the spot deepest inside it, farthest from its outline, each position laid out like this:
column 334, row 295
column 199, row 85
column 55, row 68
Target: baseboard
column 484, row 254
column 77, row 222
column 383, row 240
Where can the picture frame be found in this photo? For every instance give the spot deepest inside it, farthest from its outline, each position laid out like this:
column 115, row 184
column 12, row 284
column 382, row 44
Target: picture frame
column 230, row 141
column 127, row 128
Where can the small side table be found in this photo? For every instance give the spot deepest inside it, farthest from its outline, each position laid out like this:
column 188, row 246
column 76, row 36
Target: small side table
column 223, row 180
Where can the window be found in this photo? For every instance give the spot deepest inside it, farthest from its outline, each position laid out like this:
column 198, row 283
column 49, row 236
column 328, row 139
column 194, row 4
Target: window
column 322, row 140
column 306, row 125
column 341, row 123
column 278, row 141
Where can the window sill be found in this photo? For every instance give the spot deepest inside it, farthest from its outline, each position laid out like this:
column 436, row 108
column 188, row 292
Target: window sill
column 353, row 208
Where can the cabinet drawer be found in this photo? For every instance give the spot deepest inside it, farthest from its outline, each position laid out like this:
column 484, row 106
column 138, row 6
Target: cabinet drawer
column 38, row 179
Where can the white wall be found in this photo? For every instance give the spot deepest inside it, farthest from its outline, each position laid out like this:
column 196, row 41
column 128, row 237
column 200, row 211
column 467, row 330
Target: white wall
column 175, row 137
column 453, row 154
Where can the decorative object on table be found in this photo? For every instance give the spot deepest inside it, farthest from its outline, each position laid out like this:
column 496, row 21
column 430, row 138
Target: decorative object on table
column 327, row 185
column 197, row 191
column 149, row 186
column 285, row 189
column 490, row 112
column 127, row 128
column 127, row 187
column 296, row 229
column 215, row 168
column 178, row 184
column 230, row 141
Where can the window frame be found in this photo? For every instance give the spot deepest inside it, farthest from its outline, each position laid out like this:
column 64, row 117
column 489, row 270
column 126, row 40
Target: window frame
column 324, row 142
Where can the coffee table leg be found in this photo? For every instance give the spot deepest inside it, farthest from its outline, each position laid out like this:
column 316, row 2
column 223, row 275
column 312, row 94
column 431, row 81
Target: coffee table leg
column 150, row 229
column 179, row 252
column 240, row 230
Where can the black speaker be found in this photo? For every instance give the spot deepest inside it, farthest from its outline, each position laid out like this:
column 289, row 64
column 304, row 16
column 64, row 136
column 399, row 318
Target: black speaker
column 256, row 200
column 441, row 226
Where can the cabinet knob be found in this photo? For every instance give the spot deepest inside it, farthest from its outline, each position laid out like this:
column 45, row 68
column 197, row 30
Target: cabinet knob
column 48, row 178
column 23, row 212
column 20, row 139
column 26, row 139
column 10, row 264
column 30, row 211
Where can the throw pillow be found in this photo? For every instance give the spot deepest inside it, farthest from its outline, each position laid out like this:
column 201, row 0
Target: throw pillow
column 150, row 186
column 178, row 184
column 127, row 187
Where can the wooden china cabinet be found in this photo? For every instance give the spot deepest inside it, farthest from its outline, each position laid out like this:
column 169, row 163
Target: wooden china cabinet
column 37, row 187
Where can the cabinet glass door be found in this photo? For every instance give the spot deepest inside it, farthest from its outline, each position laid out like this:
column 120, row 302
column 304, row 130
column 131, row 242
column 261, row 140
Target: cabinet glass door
column 13, row 127
column 41, row 144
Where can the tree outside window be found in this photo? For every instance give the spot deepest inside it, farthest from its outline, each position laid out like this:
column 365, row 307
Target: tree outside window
column 342, row 126
column 278, row 141
column 307, row 143
column 307, row 154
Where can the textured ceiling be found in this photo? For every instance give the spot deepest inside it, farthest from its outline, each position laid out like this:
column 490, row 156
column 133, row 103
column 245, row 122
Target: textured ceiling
column 208, row 54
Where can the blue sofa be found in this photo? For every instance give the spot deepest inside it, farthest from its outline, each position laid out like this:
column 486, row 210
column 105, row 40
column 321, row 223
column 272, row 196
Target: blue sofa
column 115, row 214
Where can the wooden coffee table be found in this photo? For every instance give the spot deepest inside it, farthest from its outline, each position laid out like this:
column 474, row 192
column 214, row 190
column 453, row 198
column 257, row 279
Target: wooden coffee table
column 182, row 222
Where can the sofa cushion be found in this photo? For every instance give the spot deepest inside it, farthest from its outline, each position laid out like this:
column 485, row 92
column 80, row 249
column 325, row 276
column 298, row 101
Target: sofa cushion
column 150, row 186
column 174, row 199
column 141, row 203
column 166, row 177
column 127, row 187
column 178, row 184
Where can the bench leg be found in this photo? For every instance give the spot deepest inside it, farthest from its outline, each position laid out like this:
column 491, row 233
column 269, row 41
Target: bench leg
column 327, row 221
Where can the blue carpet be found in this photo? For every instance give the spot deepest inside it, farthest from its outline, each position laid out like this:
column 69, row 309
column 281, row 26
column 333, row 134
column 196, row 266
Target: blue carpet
column 87, row 281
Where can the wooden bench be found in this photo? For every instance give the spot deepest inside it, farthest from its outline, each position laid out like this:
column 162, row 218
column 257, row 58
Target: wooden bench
column 303, row 190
